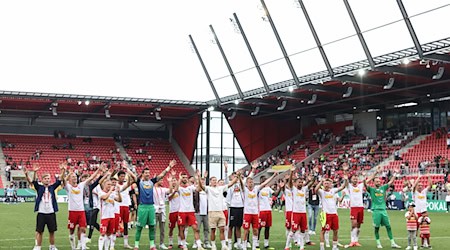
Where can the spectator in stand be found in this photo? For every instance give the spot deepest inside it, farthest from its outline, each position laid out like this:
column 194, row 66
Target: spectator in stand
column 448, row 142
column 397, row 155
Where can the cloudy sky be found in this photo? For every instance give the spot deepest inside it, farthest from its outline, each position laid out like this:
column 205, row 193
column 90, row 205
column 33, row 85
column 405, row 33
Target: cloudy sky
column 140, row 48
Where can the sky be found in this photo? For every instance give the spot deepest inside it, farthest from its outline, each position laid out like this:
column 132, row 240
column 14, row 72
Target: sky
column 141, row 48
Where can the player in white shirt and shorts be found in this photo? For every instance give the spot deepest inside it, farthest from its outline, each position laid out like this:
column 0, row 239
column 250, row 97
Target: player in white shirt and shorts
column 251, row 209
column 174, row 207
column 329, row 206
column 355, row 191
column 299, row 224
column 109, row 195
column 420, row 195
column 124, row 205
column 76, row 207
column 186, row 214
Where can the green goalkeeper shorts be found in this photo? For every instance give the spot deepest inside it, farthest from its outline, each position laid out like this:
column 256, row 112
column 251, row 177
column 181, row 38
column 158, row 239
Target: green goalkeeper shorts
column 146, row 215
column 380, row 218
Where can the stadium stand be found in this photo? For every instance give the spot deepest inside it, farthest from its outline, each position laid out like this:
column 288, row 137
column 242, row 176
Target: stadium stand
column 86, row 153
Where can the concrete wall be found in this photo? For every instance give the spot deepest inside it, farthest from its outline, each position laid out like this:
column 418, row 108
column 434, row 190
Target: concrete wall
column 366, row 123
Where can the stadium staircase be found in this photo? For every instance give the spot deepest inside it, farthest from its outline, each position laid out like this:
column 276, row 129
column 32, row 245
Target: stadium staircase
column 2, row 169
column 300, row 157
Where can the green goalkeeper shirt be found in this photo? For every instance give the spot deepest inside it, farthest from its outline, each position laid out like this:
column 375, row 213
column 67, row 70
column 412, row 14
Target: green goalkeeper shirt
column 378, row 197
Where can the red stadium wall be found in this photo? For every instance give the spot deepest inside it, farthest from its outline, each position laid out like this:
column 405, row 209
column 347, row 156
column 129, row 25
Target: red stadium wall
column 336, row 128
column 257, row 136
column 185, row 133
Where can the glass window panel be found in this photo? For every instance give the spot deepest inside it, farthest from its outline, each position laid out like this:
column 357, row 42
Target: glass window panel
column 327, row 24
column 414, row 7
column 228, row 141
column 258, row 30
column 291, row 25
column 225, row 86
column 308, row 62
column 214, row 139
column 431, row 26
column 215, row 124
column 339, row 52
column 249, row 79
column 210, row 54
column 276, row 71
column 233, row 44
column 388, row 39
column 371, row 14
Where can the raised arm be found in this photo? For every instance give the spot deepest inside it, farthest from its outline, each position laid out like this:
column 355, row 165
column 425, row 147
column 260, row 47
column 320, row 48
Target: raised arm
column 118, row 198
column 345, row 184
column 391, row 181
column 262, row 185
column 172, row 163
column 29, row 180
column 234, row 181
column 92, row 177
column 416, row 182
column 291, row 176
column 106, row 195
column 254, row 165
column 310, row 181
column 317, row 188
column 430, row 182
column 225, row 166
column 200, row 186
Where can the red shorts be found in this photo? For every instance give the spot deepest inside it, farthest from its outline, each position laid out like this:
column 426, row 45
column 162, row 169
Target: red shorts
column 418, row 216
column 225, row 212
column 265, row 219
column 116, row 222
column 76, row 218
column 250, row 219
column 107, row 226
column 288, row 220
column 173, row 218
column 299, row 222
column 186, row 219
column 125, row 214
column 357, row 213
column 332, row 222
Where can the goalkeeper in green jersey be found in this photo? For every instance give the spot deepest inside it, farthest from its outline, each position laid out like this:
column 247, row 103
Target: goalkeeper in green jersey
column 379, row 215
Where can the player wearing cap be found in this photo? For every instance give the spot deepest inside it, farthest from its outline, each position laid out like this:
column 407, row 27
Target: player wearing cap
column 329, row 206
column 355, row 191
column 379, row 214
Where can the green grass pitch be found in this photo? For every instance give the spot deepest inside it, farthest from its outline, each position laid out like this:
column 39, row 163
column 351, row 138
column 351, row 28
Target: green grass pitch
column 17, row 225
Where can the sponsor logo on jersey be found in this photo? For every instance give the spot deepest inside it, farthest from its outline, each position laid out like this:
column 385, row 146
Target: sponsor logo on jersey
column 303, row 194
column 186, row 194
column 251, row 196
column 329, row 196
column 264, row 194
column 75, row 191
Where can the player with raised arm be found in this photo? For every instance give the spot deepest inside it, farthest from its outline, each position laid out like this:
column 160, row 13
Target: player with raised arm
column 146, row 209
column 45, row 205
column 251, row 209
column 235, row 199
column 420, row 195
column 379, row 213
column 186, row 214
column 108, row 196
column 299, row 223
column 216, row 217
column 124, row 183
column 355, row 191
column 265, row 211
column 76, row 207
column 174, row 207
column 329, row 205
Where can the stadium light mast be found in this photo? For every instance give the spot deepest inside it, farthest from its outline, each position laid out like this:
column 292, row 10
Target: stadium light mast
column 316, row 38
column 205, row 70
column 360, row 35
column 252, row 54
column 280, row 43
column 230, row 70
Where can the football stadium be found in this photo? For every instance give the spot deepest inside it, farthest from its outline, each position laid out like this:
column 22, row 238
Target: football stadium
column 257, row 124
